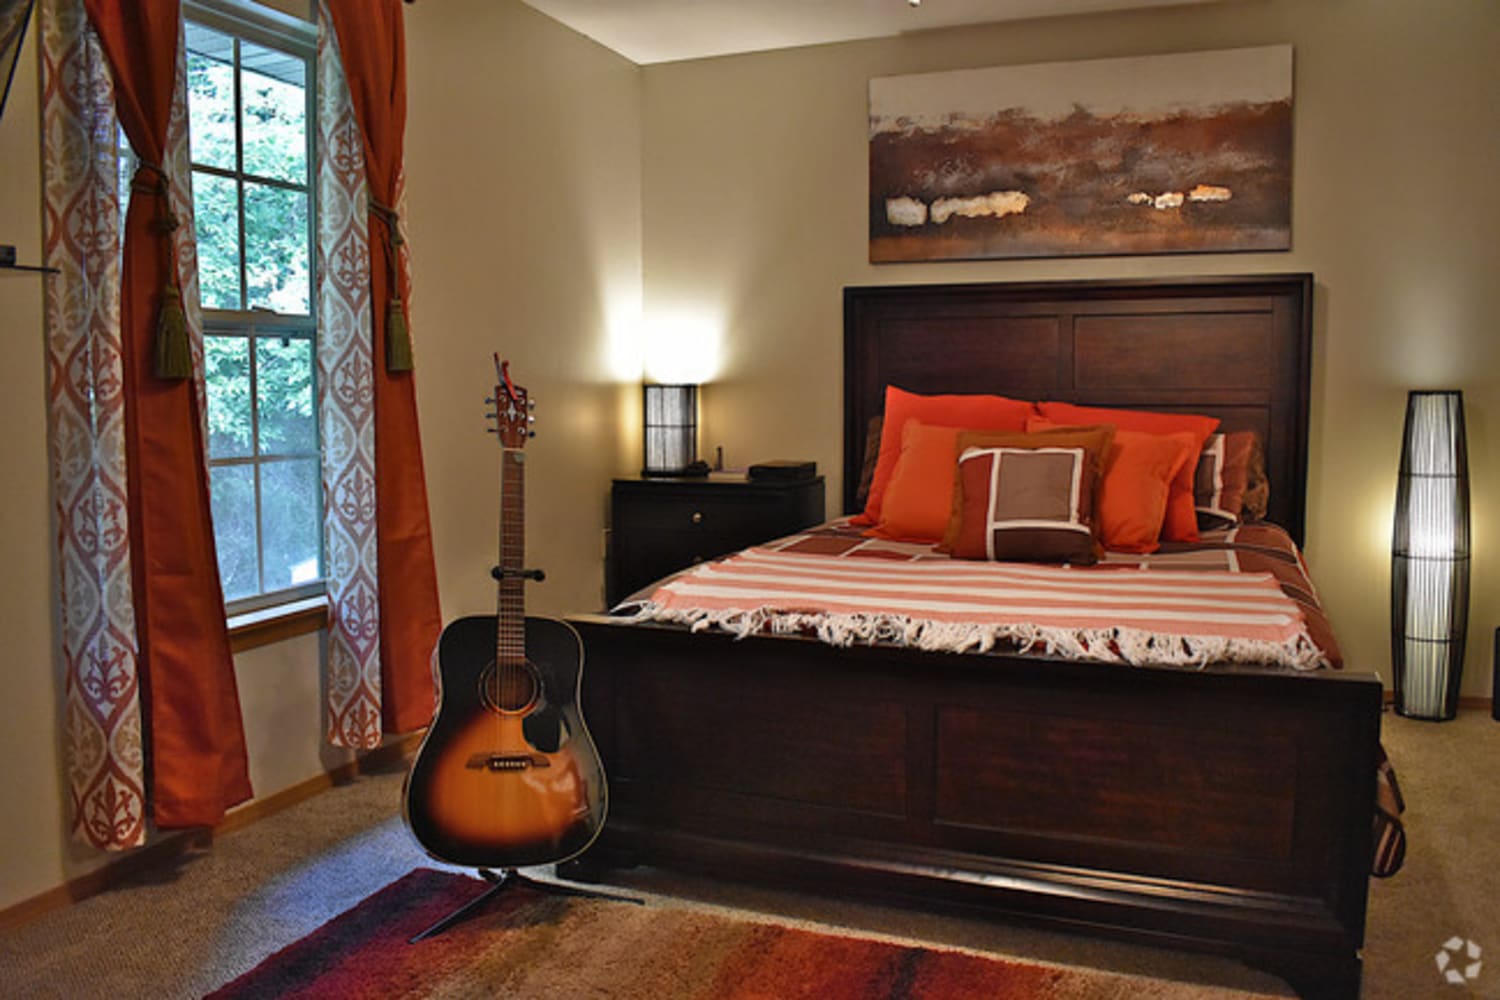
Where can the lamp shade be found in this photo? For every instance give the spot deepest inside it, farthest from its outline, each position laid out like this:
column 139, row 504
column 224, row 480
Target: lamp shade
column 1430, row 558
column 671, row 429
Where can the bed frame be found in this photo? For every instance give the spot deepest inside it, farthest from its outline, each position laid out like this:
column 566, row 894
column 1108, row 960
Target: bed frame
column 1227, row 809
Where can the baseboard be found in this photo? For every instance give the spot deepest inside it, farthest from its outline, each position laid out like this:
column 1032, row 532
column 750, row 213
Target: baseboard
column 1470, row 701
column 178, row 843
column 156, row 854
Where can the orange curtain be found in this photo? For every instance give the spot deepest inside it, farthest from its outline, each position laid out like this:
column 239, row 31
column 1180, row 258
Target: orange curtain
column 373, row 46
column 198, row 763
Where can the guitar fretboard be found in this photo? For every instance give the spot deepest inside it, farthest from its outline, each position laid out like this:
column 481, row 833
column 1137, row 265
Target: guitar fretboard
column 510, row 611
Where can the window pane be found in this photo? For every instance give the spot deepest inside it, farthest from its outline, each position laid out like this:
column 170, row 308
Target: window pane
column 284, row 388
column 274, row 91
column 210, row 68
column 247, row 109
column 216, row 222
column 226, row 365
column 232, row 495
column 276, row 236
column 291, row 520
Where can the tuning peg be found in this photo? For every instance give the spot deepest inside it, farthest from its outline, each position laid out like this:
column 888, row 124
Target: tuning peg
column 491, row 430
column 531, row 404
column 489, row 399
column 531, row 434
column 531, row 420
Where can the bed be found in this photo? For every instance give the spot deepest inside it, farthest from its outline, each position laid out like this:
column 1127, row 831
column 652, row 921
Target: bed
column 1218, row 807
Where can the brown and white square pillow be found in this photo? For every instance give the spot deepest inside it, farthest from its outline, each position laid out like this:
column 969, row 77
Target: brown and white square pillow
column 1028, row 504
column 1229, row 485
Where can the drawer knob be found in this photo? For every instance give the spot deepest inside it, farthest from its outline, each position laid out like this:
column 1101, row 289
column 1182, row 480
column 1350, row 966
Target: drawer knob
column 697, row 517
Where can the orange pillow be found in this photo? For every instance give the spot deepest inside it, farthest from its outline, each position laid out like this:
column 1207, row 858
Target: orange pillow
column 1134, row 493
column 990, row 412
column 1133, row 490
column 1093, row 439
column 1181, row 522
column 919, row 494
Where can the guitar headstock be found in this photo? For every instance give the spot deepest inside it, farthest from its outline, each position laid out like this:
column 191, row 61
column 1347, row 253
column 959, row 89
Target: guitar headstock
column 513, row 408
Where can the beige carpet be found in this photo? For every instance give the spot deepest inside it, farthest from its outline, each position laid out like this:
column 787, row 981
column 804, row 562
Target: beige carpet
column 186, row 930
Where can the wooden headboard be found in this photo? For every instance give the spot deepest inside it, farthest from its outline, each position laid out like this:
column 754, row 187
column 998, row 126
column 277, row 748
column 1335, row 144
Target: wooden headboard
column 1232, row 347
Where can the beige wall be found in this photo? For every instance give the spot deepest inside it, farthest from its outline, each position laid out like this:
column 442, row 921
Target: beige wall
column 31, row 825
column 523, row 158
column 755, row 204
column 523, row 152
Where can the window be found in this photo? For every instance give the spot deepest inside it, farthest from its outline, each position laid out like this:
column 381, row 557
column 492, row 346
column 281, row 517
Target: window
column 250, row 110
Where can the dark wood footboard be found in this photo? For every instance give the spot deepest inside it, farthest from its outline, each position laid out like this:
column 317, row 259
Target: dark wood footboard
column 1225, row 810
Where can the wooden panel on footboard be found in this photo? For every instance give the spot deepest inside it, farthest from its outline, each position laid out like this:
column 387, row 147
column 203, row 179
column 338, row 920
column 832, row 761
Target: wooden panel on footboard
column 1223, row 810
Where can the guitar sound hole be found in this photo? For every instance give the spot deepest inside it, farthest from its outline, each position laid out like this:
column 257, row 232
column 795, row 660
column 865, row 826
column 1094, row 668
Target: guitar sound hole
column 510, row 689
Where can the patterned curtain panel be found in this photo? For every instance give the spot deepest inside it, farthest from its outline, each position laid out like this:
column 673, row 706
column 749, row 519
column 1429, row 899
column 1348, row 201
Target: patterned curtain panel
column 346, row 405
column 198, row 765
column 372, row 49
column 106, row 770
column 141, row 603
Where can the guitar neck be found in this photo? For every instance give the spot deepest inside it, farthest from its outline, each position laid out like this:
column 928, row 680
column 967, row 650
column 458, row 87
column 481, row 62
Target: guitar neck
column 510, row 611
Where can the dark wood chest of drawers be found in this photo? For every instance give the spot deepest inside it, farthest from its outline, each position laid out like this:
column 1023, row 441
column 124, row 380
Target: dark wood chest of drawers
column 659, row 526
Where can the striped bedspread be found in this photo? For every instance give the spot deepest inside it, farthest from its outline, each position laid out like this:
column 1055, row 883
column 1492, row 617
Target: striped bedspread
column 1243, row 600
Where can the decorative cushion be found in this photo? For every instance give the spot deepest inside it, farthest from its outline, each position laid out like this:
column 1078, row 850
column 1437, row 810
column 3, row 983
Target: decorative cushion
column 991, row 412
column 1181, row 522
column 1027, row 504
column 1227, row 466
column 919, row 497
column 1135, row 485
column 1095, row 439
column 1135, row 490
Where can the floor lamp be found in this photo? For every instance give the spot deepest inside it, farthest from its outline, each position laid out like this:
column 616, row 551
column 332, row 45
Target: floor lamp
column 1430, row 558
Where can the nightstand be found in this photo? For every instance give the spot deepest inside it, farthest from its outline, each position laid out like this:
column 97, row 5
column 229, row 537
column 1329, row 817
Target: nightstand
column 658, row 526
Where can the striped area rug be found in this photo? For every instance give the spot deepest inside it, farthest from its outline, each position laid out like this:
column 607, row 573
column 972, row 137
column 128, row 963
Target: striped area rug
column 528, row 945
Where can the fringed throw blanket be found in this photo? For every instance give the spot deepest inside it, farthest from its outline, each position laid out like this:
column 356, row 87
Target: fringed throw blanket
column 1185, row 609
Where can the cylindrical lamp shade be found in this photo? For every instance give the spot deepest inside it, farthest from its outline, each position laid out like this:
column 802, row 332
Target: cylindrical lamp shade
column 671, row 429
column 1430, row 558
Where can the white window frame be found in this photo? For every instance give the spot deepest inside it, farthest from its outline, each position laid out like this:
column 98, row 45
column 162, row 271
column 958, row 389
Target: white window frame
column 270, row 28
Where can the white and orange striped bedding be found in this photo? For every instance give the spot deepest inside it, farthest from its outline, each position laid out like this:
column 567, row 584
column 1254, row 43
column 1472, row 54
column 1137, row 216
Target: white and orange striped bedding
column 1239, row 597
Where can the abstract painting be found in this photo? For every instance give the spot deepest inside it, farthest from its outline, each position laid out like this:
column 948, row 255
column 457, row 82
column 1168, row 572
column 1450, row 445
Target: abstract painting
column 1180, row 153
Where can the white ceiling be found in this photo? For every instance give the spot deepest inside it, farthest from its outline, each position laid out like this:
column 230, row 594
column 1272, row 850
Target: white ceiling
column 652, row 31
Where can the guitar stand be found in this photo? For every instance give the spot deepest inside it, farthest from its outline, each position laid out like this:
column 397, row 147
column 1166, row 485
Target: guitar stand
column 505, row 879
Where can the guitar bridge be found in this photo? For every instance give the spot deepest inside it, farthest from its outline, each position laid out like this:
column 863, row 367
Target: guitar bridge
column 506, row 761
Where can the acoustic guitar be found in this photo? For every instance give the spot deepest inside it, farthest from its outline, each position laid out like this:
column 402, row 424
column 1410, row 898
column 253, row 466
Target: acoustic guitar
column 507, row 775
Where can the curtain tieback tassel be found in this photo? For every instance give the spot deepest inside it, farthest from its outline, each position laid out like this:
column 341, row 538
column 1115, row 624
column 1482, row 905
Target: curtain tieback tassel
column 397, row 338
column 173, row 356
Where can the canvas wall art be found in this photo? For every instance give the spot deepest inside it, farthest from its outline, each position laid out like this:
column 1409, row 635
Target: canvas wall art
column 1156, row 154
